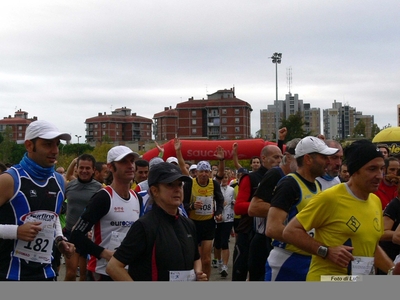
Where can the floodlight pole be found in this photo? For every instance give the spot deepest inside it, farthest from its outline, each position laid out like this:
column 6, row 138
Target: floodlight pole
column 276, row 59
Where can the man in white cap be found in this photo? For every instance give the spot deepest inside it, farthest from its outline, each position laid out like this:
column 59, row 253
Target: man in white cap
column 204, row 203
column 286, row 262
column 31, row 197
column 193, row 170
column 111, row 212
column 172, row 160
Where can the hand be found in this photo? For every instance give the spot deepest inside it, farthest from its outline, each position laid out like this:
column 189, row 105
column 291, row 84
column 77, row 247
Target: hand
column 220, row 153
column 396, row 270
column 177, row 144
column 28, row 231
column 234, row 147
column 282, row 133
column 161, row 149
column 200, row 276
column 218, row 218
column 66, row 248
column 340, row 255
column 198, row 204
column 107, row 254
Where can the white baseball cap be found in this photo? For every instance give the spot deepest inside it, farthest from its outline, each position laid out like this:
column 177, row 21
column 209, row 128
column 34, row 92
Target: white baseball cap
column 45, row 130
column 193, row 167
column 172, row 159
column 117, row 153
column 312, row 144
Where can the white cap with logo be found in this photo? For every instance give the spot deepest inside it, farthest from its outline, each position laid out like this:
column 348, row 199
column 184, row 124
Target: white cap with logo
column 117, row 153
column 172, row 159
column 44, row 130
column 312, row 144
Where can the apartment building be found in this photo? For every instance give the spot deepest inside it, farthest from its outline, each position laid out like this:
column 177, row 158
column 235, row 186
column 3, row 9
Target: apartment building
column 220, row 116
column 17, row 125
column 120, row 127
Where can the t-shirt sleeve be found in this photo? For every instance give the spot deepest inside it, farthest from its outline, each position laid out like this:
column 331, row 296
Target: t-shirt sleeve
column 133, row 245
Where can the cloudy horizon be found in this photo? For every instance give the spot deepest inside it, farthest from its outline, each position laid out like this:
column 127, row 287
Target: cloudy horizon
column 68, row 61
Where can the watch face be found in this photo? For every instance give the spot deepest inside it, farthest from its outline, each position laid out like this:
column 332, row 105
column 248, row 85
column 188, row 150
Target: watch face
column 322, row 251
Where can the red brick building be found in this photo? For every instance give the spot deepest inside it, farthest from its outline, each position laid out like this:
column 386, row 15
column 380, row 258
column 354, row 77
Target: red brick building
column 120, row 127
column 220, row 116
column 18, row 125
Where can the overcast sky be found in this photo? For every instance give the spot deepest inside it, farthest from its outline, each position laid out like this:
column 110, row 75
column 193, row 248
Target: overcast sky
column 66, row 61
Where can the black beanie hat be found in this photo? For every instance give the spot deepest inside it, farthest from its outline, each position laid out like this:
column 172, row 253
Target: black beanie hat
column 359, row 153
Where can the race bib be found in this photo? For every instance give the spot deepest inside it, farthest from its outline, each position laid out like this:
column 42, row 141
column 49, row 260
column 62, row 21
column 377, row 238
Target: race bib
column 116, row 239
column 207, row 208
column 40, row 249
column 182, row 275
column 362, row 265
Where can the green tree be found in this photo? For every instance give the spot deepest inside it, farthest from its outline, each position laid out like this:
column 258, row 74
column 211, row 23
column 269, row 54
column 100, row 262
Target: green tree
column 294, row 124
column 6, row 145
column 359, row 129
column 100, row 151
column 375, row 130
column 17, row 152
column 259, row 134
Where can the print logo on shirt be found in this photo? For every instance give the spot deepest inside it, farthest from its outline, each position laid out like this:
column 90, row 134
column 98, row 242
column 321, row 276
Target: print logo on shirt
column 33, row 193
column 119, row 209
column 353, row 224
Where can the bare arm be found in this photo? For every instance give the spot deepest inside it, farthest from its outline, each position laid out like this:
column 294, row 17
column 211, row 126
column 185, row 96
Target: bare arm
column 295, row 234
column 6, row 188
column 181, row 161
column 258, row 207
column 69, row 175
column 382, row 260
column 116, row 270
column 396, row 236
column 388, row 232
column 235, row 156
column 221, row 165
column 275, row 223
column 160, row 149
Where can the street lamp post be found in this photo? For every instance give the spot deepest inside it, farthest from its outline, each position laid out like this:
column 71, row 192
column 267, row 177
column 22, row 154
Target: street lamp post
column 78, row 136
column 276, row 59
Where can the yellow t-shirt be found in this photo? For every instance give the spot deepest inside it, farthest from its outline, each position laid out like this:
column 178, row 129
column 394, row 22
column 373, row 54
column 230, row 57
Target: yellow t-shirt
column 206, row 195
column 338, row 216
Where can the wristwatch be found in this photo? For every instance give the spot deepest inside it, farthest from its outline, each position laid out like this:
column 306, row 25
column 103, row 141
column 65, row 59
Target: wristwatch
column 60, row 239
column 322, row 251
column 390, row 271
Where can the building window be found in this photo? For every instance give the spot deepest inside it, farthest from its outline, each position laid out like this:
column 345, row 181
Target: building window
column 95, row 133
column 237, row 120
column 224, row 129
column 103, row 126
column 194, row 130
column 223, row 111
column 223, row 120
column 236, row 111
column 117, row 125
column 20, row 134
column 104, row 133
column 193, row 113
column 237, row 129
column 117, row 133
column 95, row 125
column 19, row 127
column 194, row 122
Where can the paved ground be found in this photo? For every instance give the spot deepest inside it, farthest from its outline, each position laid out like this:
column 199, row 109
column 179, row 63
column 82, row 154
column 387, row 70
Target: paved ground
column 215, row 276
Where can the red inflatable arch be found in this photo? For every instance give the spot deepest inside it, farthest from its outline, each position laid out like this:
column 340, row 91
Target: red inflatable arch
column 197, row 150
